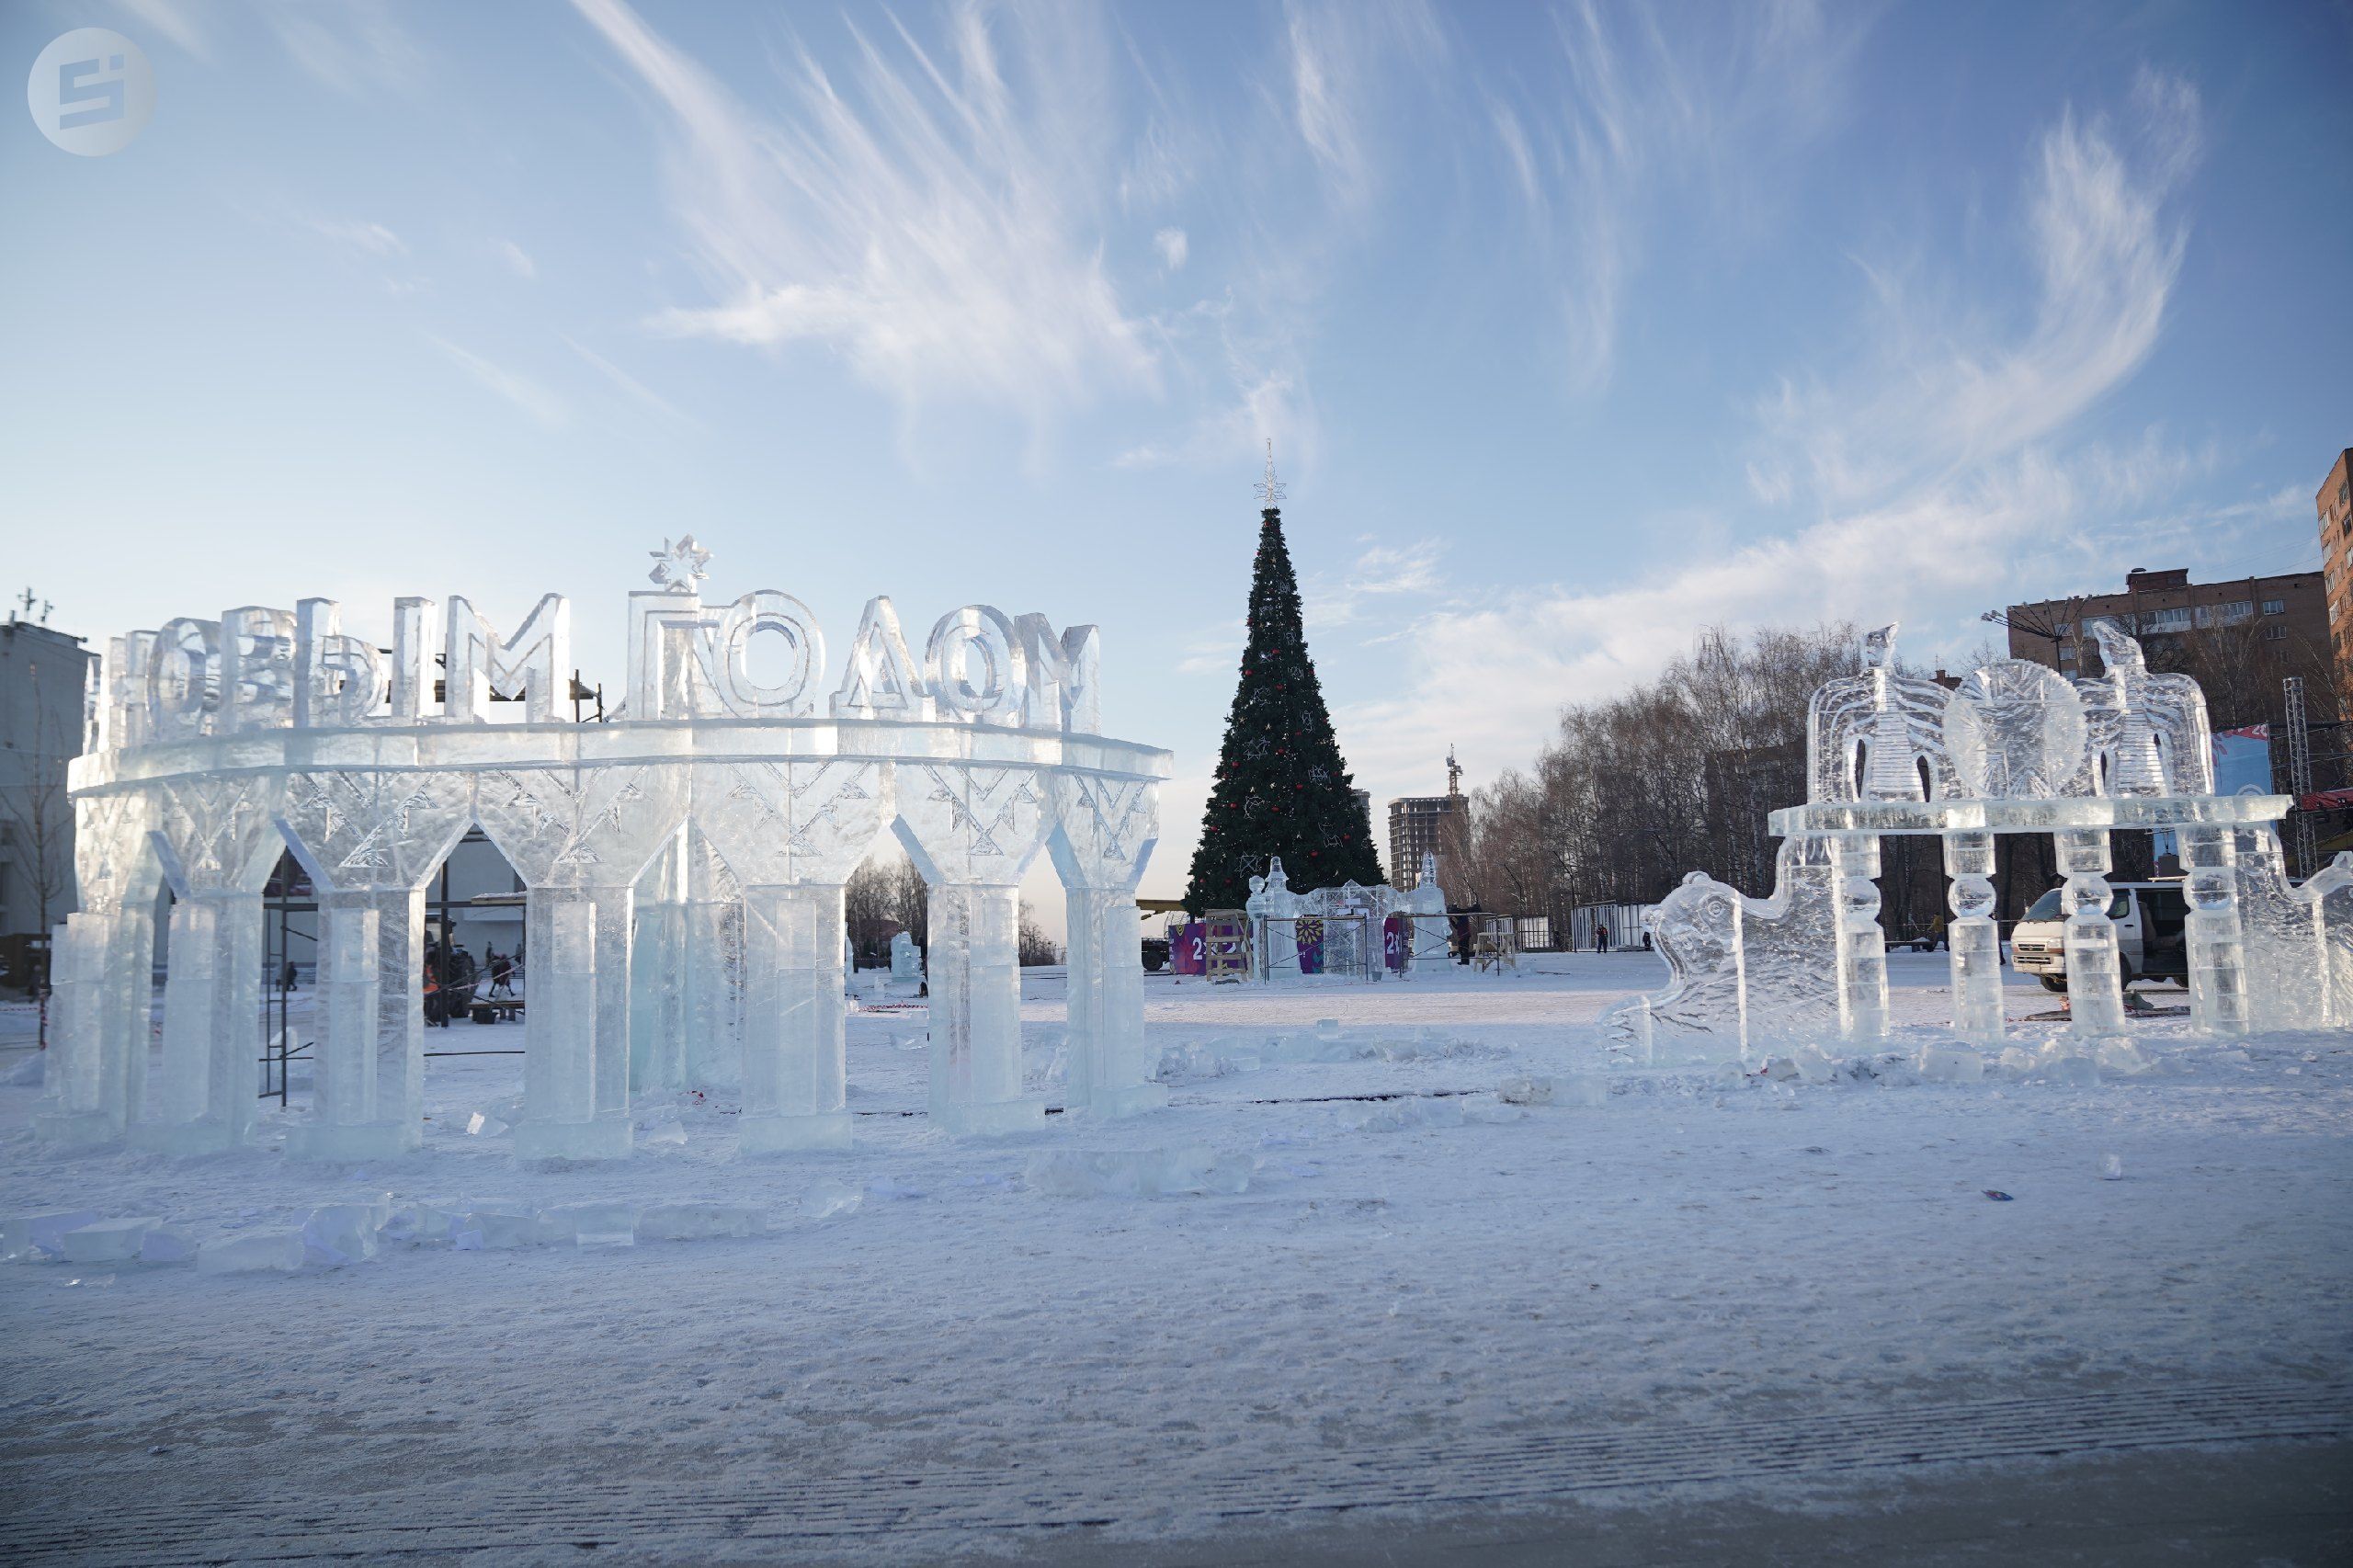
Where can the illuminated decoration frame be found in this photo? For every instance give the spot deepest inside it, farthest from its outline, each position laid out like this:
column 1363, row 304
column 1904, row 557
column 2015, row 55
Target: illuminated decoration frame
column 212, row 744
column 2014, row 748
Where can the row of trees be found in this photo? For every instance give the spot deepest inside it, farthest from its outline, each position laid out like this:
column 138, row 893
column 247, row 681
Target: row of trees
column 886, row 895
column 1678, row 774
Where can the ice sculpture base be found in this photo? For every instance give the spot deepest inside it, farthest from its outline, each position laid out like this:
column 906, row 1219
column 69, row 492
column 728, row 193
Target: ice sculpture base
column 369, row 1140
column 829, row 1130
column 182, row 1137
column 990, row 1120
column 1112, row 1104
column 74, row 1128
column 607, row 1139
column 2069, row 814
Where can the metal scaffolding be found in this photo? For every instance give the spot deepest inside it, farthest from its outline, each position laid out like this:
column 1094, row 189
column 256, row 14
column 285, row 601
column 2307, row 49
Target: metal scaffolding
column 2299, row 776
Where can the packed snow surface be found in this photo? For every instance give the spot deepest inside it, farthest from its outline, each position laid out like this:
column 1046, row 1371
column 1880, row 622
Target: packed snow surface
column 1431, row 1210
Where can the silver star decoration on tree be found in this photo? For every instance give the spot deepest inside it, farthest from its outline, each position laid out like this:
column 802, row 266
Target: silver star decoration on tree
column 679, row 566
column 1270, row 489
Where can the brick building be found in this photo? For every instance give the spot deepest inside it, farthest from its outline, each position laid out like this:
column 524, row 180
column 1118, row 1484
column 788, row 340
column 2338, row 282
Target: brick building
column 2164, row 610
column 2335, row 506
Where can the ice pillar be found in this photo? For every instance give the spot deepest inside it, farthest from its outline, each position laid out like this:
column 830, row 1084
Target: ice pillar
column 1108, row 1073
column 575, row 1067
column 126, row 1010
column 658, row 999
column 793, row 1023
column 345, row 1073
column 369, row 1099
column 2094, row 975
column 975, row 978
column 713, row 1009
column 211, row 1024
column 1863, row 947
column 1973, row 938
column 75, row 1105
column 400, row 1014
column 2218, row 995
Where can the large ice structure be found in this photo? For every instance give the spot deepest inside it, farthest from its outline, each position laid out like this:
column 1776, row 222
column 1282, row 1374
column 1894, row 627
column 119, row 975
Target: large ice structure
column 1345, row 932
column 683, row 865
column 2014, row 748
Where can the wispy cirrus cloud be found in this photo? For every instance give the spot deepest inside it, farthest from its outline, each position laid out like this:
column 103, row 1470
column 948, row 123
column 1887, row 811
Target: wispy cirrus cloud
column 369, row 239
column 930, row 214
column 1943, row 391
column 175, row 21
column 642, row 395
column 352, row 45
column 1632, row 111
column 1379, row 575
column 1339, row 57
column 543, row 407
column 1982, row 485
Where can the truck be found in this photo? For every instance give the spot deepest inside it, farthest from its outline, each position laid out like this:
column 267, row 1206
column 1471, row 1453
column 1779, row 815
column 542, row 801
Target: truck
column 2152, row 939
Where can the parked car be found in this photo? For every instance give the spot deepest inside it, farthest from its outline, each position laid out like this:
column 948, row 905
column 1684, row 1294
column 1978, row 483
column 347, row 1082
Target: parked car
column 2151, row 938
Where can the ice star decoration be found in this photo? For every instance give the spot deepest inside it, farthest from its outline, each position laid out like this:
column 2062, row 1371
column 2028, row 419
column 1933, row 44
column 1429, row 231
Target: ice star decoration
column 1270, row 489
column 679, row 567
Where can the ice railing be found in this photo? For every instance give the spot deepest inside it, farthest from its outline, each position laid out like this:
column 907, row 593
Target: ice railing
column 2013, row 748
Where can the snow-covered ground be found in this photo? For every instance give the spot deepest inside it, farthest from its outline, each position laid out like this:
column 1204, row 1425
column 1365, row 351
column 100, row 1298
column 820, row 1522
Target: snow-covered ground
column 1438, row 1273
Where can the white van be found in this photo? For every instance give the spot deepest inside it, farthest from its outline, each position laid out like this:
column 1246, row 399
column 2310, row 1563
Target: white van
column 2150, row 938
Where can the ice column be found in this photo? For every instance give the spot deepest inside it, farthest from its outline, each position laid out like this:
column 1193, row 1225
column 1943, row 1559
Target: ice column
column 211, row 1024
column 1426, row 912
column 975, row 975
column 972, row 830
column 1973, row 938
column 2095, row 976
column 345, row 1073
column 98, row 1090
column 793, row 1020
column 580, row 837
column 1863, row 947
column 714, row 938
column 2218, row 996
column 1103, row 834
column 371, row 841
column 72, row 1108
column 782, row 838
column 1109, row 1074
column 658, row 997
column 575, row 1067
column 126, row 1007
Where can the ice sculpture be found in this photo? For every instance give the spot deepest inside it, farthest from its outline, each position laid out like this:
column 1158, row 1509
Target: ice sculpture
column 906, row 963
column 683, row 865
column 1425, row 922
column 1348, row 932
column 2013, row 748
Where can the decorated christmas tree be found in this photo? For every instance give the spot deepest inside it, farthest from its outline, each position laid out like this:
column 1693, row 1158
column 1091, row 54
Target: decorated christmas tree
column 1282, row 787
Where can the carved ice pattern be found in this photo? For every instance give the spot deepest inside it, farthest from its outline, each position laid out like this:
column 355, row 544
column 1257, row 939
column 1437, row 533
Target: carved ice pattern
column 373, row 829
column 580, row 827
column 779, row 823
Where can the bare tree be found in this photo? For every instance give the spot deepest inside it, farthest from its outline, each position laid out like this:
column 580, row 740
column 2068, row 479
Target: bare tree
column 1677, row 775
column 885, row 895
column 1036, row 949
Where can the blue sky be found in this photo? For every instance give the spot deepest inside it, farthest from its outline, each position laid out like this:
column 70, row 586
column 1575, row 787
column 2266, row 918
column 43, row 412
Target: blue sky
column 1576, row 328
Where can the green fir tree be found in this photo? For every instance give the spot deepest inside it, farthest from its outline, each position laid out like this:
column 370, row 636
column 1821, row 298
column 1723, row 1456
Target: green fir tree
column 1282, row 787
